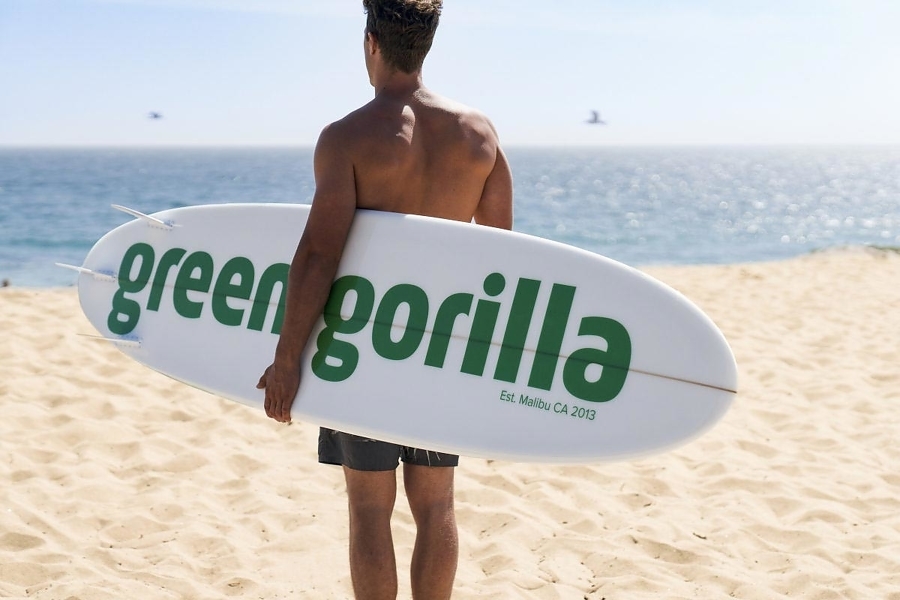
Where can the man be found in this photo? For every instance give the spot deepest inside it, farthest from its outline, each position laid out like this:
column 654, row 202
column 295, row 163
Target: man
column 409, row 150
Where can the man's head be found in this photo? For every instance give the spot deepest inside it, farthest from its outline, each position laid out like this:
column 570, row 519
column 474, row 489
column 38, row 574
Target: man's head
column 404, row 30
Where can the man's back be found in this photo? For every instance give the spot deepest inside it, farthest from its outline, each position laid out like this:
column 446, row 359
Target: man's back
column 419, row 153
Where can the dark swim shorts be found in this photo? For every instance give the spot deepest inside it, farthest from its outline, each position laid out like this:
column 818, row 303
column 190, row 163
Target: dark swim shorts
column 365, row 454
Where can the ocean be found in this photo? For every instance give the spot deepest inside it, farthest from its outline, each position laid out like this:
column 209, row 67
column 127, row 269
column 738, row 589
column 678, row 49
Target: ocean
column 640, row 206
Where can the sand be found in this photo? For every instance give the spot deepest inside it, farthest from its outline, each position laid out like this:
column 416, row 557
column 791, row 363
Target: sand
column 121, row 483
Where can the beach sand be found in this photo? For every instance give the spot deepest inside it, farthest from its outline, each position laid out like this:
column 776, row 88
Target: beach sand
column 121, row 483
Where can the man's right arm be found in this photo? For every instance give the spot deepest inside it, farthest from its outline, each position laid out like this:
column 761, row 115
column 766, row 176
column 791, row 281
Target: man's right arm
column 495, row 209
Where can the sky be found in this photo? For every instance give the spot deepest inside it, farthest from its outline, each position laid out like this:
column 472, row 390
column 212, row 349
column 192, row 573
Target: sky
column 274, row 72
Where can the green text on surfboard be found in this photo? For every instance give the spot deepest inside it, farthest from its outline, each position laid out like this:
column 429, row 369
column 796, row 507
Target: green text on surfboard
column 617, row 355
column 336, row 359
column 194, row 275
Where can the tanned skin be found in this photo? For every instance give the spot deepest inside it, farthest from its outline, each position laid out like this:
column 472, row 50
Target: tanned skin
column 410, row 151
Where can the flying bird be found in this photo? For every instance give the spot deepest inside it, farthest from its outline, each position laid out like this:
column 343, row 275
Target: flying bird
column 154, row 115
column 595, row 119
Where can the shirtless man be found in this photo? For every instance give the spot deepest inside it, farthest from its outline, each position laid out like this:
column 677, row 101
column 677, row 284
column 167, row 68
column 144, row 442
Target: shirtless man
column 408, row 151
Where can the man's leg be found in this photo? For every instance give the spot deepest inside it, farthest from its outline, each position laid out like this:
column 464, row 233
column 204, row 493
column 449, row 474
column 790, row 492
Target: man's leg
column 436, row 553
column 373, row 568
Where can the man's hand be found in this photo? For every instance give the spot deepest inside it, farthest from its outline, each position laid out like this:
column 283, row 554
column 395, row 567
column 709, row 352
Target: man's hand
column 281, row 385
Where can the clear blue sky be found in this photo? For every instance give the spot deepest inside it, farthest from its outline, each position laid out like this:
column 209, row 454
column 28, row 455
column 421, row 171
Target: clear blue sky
column 273, row 72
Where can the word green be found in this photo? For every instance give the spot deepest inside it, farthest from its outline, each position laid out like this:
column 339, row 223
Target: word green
column 236, row 279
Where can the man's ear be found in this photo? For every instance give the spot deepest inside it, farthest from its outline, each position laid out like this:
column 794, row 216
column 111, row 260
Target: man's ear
column 371, row 44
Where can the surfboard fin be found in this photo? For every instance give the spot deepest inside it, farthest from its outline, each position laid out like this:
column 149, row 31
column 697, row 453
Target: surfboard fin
column 86, row 271
column 124, row 342
column 139, row 215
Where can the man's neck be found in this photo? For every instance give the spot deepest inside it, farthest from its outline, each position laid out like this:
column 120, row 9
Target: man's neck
column 397, row 84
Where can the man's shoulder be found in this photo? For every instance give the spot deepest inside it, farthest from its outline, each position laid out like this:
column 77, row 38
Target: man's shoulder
column 368, row 123
column 346, row 124
column 345, row 130
column 352, row 124
column 458, row 108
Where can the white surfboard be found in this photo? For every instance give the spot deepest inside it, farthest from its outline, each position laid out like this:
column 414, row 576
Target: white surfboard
column 443, row 335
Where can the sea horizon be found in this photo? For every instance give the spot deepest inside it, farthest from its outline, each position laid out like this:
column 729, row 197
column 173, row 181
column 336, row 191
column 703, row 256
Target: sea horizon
column 641, row 205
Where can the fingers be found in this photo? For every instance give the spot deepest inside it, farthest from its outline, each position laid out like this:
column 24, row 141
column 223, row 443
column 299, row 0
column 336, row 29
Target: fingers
column 262, row 380
column 278, row 400
column 276, row 407
column 283, row 407
column 278, row 412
